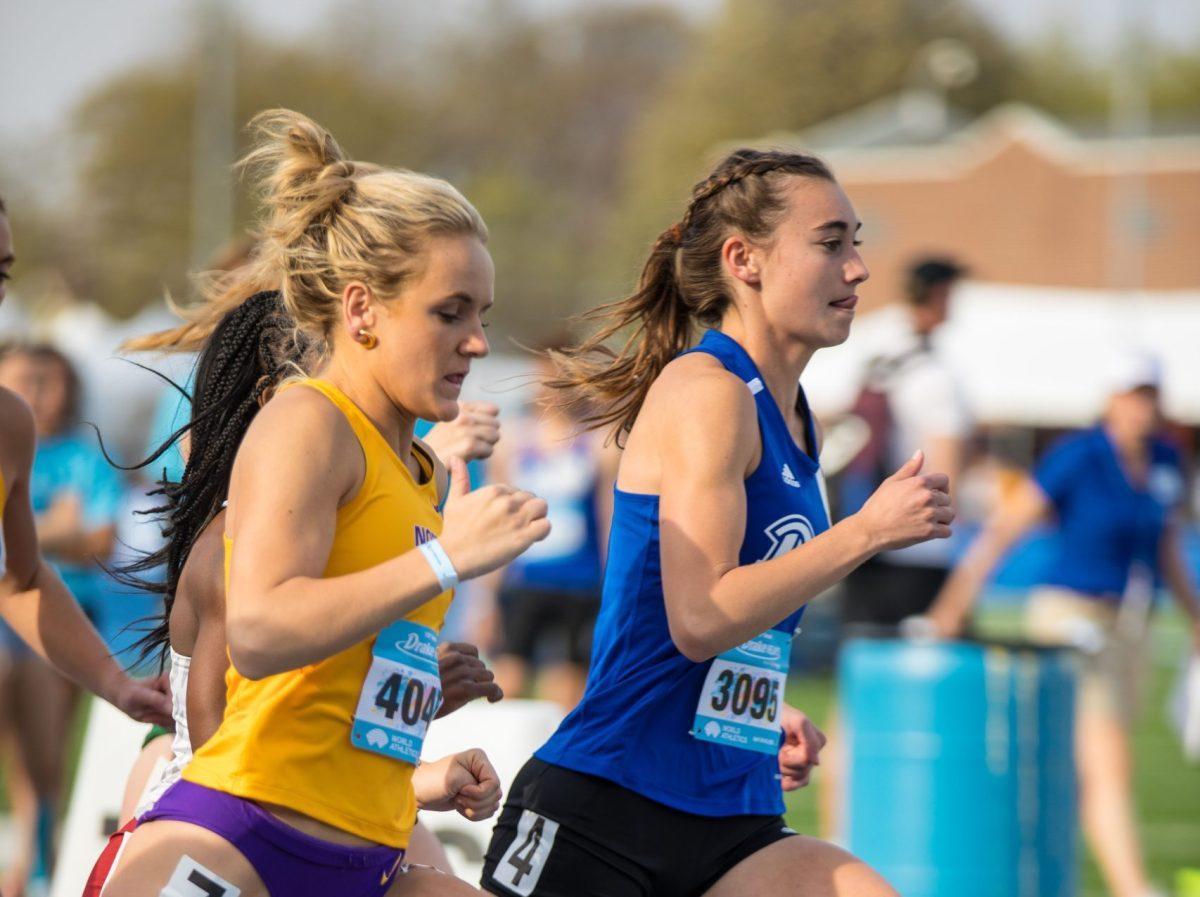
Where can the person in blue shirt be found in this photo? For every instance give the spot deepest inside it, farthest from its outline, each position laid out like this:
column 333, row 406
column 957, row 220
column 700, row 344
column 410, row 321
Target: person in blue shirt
column 668, row 777
column 1115, row 492
column 545, row 603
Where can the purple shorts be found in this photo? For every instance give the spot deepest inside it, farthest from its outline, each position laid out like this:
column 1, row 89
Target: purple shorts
column 290, row 862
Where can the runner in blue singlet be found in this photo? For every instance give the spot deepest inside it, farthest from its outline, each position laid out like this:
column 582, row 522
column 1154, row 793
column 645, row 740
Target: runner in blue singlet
column 667, row 779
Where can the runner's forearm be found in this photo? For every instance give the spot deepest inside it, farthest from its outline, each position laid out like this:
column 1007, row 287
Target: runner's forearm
column 325, row 615
column 51, row 622
column 725, row 618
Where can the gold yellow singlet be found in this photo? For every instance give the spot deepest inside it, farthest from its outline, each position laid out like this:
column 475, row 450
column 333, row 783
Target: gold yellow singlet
column 286, row 739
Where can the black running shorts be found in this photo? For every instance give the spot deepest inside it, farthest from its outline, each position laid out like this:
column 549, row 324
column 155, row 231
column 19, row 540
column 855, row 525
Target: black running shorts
column 566, row 834
column 548, row 626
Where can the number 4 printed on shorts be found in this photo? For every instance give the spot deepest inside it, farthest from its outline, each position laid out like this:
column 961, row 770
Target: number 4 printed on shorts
column 522, row 864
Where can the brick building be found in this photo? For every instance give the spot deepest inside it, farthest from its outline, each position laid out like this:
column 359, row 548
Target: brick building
column 1016, row 195
column 1078, row 246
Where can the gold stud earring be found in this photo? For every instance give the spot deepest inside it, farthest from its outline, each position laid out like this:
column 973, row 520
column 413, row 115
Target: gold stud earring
column 368, row 339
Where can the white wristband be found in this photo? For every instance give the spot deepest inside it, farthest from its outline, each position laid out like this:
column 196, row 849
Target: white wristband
column 443, row 569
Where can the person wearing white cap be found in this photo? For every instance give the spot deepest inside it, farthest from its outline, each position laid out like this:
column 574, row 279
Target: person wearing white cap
column 1115, row 491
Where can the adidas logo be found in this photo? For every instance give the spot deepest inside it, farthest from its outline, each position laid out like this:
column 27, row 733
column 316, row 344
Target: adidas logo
column 790, row 478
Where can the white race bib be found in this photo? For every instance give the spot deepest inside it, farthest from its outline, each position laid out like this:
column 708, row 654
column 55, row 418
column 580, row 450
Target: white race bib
column 740, row 701
column 401, row 694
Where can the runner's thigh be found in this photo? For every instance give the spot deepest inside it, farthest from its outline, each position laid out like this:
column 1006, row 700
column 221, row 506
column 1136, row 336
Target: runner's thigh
column 801, row 867
column 157, row 852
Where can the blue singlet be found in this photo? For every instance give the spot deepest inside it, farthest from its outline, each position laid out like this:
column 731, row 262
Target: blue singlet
column 568, row 561
column 649, row 720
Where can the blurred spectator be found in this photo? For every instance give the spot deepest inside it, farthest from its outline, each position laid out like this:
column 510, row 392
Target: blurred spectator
column 1116, row 491
column 549, row 597
column 75, row 493
column 76, row 496
column 911, row 401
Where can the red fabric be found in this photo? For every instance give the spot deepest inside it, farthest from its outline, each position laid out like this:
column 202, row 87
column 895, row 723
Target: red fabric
column 108, row 858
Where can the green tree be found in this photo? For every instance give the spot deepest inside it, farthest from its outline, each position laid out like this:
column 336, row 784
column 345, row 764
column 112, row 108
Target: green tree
column 773, row 66
column 577, row 134
column 134, row 220
column 526, row 115
column 1057, row 75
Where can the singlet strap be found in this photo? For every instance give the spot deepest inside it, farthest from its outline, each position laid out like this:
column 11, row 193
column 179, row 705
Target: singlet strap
column 737, row 361
column 182, row 661
column 359, row 423
column 732, row 357
column 369, row 437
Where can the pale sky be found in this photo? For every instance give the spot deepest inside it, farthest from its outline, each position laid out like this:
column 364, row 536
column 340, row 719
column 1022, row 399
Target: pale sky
column 53, row 53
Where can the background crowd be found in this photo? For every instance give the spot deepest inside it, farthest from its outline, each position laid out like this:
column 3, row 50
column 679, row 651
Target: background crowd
column 616, row 109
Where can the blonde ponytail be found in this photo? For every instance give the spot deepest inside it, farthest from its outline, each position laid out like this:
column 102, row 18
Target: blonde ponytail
column 329, row 220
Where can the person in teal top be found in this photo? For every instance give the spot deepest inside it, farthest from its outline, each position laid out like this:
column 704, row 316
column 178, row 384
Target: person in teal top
column 75, row 497
column 171, row 412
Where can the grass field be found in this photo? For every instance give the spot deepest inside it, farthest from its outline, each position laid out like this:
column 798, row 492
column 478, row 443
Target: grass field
column 1168, row 789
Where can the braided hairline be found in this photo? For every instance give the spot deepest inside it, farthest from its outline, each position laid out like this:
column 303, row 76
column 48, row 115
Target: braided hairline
column 754, row 167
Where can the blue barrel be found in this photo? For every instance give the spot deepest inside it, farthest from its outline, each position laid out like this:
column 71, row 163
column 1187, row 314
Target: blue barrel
column 960, row 769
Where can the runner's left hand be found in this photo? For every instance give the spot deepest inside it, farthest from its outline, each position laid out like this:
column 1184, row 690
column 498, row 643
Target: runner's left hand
column 466, row 782
column 464, row 677
column 145, row 700
column 800, row 750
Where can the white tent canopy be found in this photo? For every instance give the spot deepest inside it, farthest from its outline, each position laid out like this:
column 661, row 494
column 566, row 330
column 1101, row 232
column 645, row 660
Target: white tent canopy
column 1034, row 356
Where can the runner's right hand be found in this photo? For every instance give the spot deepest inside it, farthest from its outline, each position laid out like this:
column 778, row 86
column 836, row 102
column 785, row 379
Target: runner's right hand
column 472, row 435
column 488, row 528
column 908, row 507
column 145, row 700
column 466, row 782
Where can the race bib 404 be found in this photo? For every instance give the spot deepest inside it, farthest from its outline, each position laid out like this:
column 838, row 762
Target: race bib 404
column 401, row 694
column 739, row 703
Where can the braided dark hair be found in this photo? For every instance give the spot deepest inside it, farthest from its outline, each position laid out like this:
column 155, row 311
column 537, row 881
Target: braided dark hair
column 682, row 283
column 253, row 348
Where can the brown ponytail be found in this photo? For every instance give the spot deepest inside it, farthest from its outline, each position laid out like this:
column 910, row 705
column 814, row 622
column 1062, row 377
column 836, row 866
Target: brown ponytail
column 682, row 284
